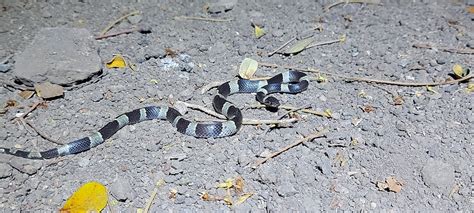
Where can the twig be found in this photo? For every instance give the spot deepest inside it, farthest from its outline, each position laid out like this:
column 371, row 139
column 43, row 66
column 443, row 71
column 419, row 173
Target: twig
column 298, row 142
column 349, row 78
column 22, row 116
column 281, row 47
column 292, row 39
column 351, row 1
column 201, row 18
column 276, row 122
column 152, row 196
column 292, row 110
column 322, row 114
column 257, row 121
column 244, row 122
column 142, row 30
column 323, row 43
column 205, row 110
column 40, row 133
column 112, row 24
column 211, row 85
column 445, row 49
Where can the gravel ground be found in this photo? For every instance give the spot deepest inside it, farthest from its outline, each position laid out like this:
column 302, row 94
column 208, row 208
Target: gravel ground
column 425, row 142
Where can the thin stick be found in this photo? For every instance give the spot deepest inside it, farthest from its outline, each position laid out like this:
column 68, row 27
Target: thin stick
column 205, row 110
column 244, row 122
column 351, row 1
column 121, row 32
column 201, row 18
column 446, row 49
column 256, row 121
column 323, row 43
column 112, row 24
column 40, row 133
column 211, row 85
column 349, row 78
column 281, row 47
column 276, row 122
column 298, row 142
column 28, row 112
column 292, row 110
column 322, row 114
column 152, row 196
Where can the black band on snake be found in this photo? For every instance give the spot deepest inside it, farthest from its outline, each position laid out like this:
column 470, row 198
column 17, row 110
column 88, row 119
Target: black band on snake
column 287, row 82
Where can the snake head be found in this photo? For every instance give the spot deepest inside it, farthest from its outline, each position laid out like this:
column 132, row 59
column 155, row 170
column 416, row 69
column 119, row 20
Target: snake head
column 271, row 102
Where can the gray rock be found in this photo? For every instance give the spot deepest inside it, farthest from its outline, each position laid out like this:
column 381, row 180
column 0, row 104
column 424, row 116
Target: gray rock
column 286, row 189
column 438, row 175
column 5, row 170
column 58, row 55
column 122, row 190
column 23, row 166
column 221, row 6
column 83, row 162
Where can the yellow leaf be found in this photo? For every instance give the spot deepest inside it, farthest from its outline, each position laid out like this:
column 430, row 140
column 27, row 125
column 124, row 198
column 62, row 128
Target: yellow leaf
column 328, row 113
column 343, row 38
column 429, row 88
column 117, row 62
column 90, row 197
column 458, row 70
column 259, row 32
column 243, row 198
column 470, row 87
column 299, row 46
column 248, row 67
column 154, row 81
column 321, row 78
column 227, row 184
column 228, row 201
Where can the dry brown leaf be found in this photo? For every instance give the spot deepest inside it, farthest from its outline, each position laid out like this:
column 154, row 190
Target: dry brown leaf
column 239, row 185
column 390, row 184
column 394, row 185
column 26, row 94
column 173, row 193
column 470, row 9
column 368, row 108
column 398, row 100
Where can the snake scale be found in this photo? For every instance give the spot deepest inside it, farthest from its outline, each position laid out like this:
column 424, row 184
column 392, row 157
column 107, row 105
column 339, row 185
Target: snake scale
column 286, row 82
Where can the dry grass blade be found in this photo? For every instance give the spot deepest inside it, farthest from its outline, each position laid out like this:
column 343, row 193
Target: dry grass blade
column 112, row 24
column 351, row 1
column 201, row 18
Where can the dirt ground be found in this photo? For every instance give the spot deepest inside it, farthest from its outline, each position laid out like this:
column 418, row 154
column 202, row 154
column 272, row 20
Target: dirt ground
column 415, row 137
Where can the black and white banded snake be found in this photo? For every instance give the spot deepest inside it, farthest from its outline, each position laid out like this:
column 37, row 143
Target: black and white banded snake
column 286, row 82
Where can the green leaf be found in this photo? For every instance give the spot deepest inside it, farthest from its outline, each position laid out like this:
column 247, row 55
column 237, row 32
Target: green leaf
column 300, row 46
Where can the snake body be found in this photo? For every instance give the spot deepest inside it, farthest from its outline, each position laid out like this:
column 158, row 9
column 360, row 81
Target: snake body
column 287, row 82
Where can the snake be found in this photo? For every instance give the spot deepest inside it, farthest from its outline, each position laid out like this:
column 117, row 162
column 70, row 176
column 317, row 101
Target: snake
column 291, row 82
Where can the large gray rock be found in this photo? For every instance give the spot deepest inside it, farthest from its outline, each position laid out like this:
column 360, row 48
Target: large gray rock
column 58, row 55
column 438, row 175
